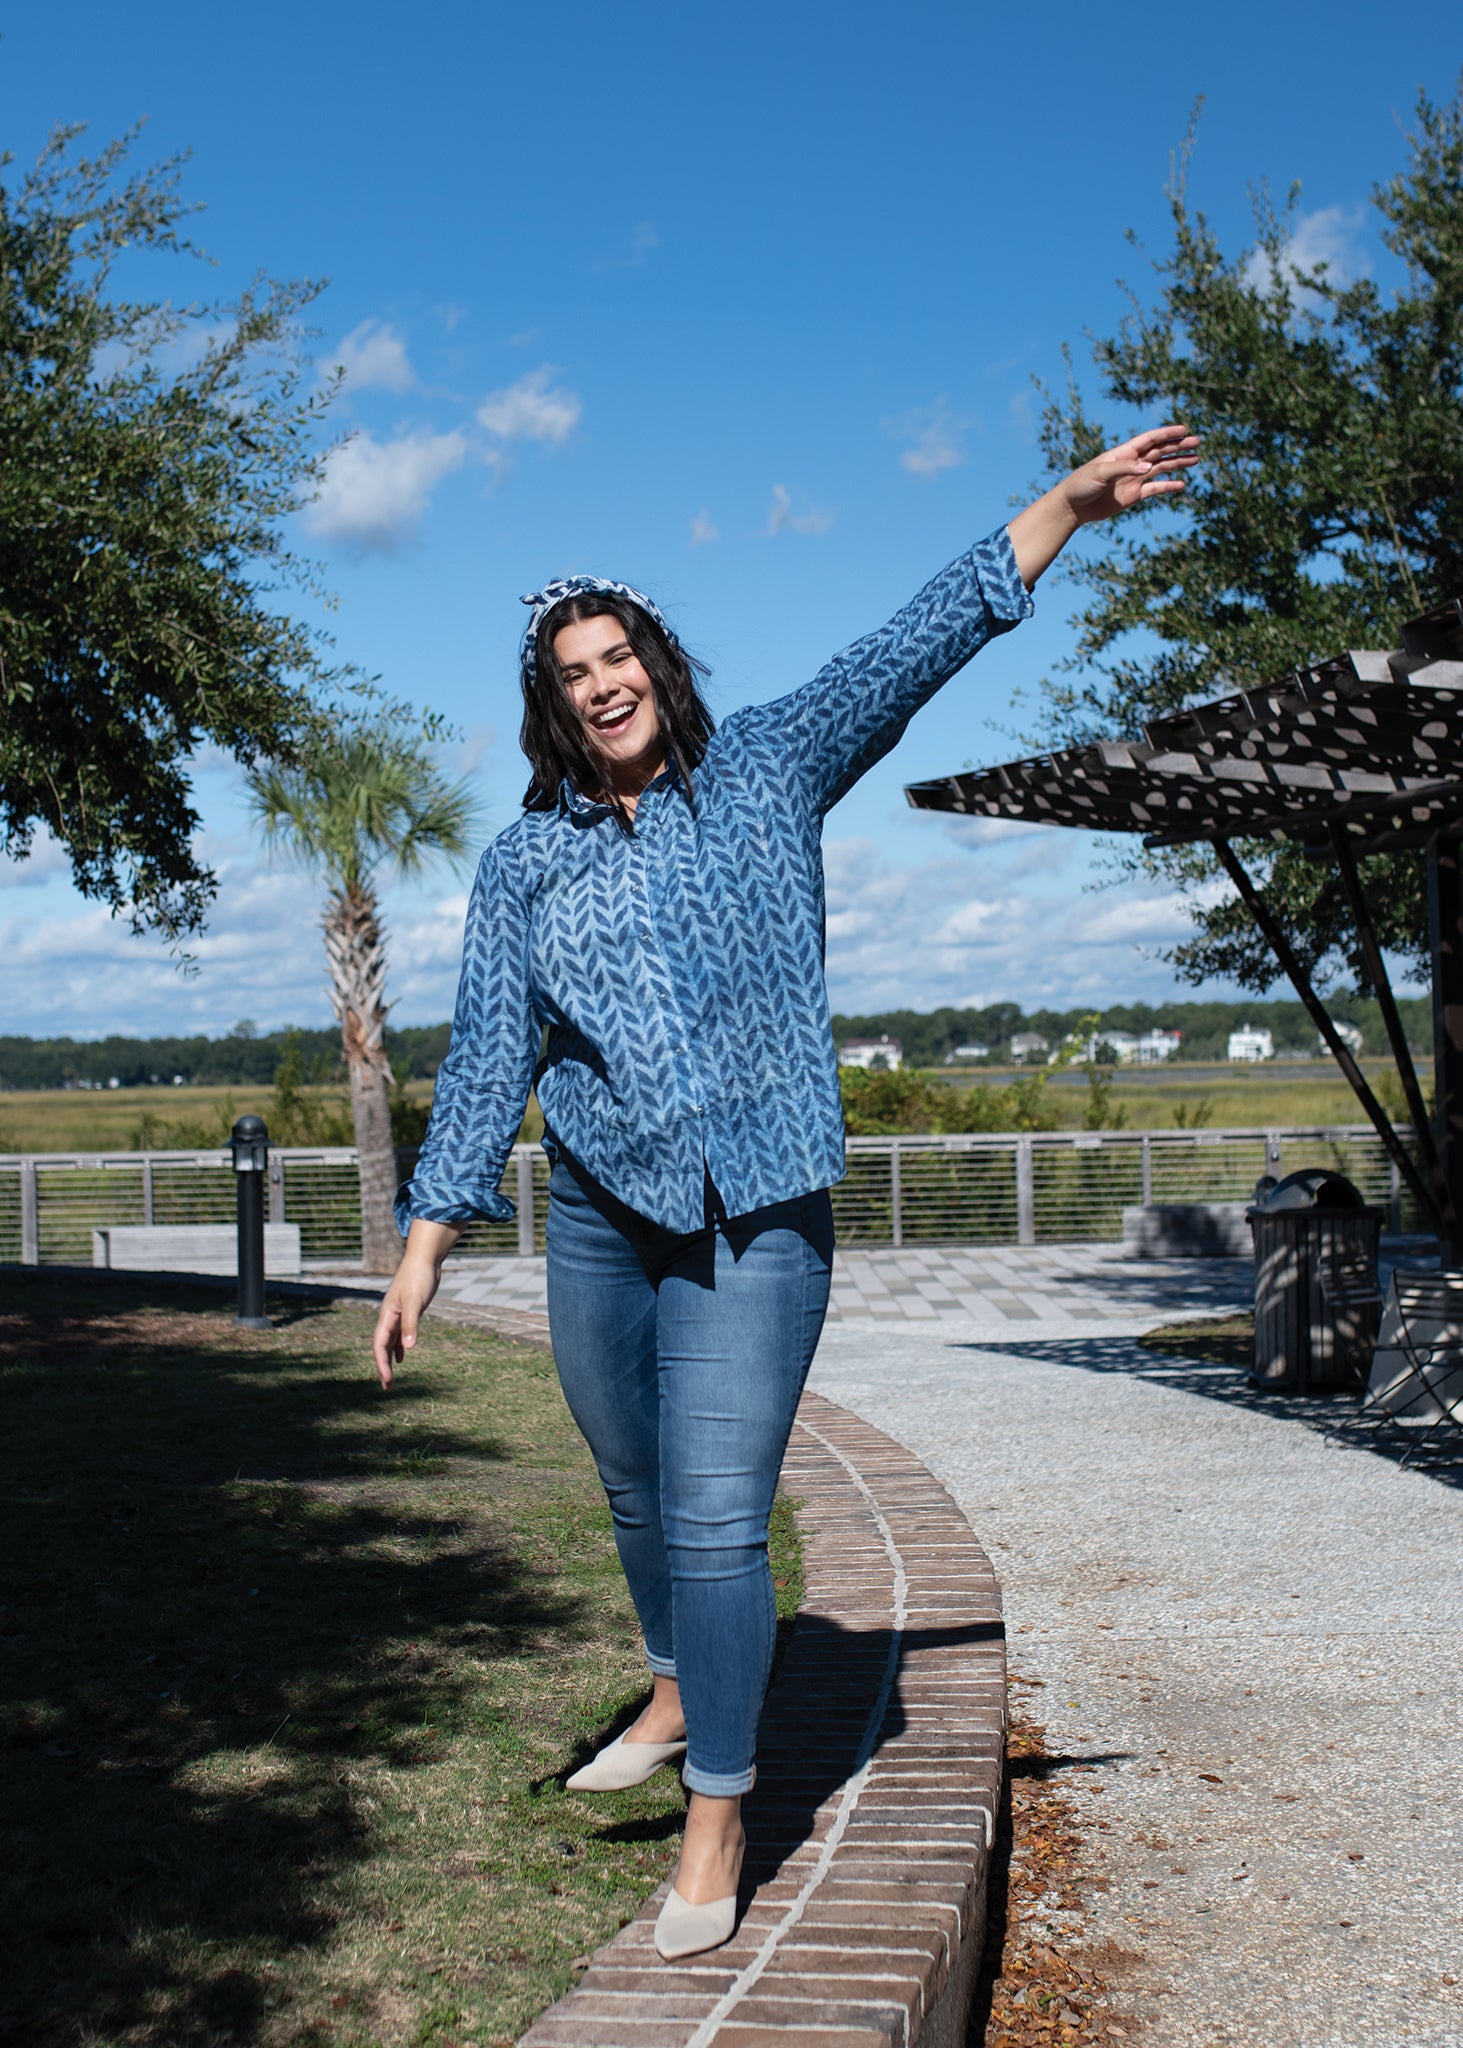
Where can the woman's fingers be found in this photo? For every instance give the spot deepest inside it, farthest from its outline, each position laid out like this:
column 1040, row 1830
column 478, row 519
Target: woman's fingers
column 1174, row 435
column 389, row 1340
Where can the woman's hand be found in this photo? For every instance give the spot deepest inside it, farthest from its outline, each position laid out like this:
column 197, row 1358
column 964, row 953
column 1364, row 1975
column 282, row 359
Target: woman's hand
column 417, row 1279
column 1113, row 482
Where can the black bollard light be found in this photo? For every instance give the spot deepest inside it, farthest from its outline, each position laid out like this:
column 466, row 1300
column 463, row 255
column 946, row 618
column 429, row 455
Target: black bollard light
column 250, row 1144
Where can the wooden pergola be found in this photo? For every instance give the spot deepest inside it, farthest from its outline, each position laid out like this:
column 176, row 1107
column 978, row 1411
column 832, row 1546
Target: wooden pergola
column 1356, row 755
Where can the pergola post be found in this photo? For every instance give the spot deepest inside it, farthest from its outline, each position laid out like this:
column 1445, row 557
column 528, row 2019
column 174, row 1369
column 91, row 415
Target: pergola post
column 1445, row 917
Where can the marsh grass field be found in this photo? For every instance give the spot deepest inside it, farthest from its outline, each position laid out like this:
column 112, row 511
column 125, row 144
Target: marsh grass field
column 293, row 1673
column 136, row 1119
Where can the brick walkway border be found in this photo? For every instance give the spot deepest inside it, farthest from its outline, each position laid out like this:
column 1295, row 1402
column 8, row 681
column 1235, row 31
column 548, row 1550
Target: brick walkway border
column 878, row 1782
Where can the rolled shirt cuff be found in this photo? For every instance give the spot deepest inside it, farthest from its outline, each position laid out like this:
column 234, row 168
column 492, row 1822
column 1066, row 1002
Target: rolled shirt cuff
column 456, row 1205
column 1006, row 596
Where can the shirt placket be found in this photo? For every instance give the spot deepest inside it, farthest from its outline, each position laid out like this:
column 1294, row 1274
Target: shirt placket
column 652, row 870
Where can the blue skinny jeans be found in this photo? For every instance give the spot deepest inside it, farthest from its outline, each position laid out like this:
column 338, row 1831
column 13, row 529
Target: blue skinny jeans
column 682, row 1359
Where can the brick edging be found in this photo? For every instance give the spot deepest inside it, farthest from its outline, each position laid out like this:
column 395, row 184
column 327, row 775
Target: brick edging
column 878, row 1782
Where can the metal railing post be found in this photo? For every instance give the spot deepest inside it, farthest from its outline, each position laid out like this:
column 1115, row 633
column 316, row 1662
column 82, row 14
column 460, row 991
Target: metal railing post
column 1394, row 1200
column 147, row 1216
column 276, row 1188
column 1147, row 1171
column 30, row 1219
column 1273, row 1154
column 896, row 1197
column 1025, row 1193
column 525, row 1202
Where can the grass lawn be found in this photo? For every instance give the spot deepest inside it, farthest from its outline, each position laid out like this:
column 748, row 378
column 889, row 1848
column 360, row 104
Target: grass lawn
column 1222, row 1340
column 156, row 1119
column 292, row 1675
column 131, row 1119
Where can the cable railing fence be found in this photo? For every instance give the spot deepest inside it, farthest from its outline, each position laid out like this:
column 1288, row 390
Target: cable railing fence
column 1020, row 1188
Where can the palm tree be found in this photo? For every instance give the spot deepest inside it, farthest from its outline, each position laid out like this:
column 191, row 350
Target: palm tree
column 365, row 804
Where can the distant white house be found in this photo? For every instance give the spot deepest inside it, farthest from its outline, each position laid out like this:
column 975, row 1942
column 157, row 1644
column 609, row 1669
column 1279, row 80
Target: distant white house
column 1130, row 1049
column 1026, row 1045
column 966, row 1052
column 872, row 1052
column 1349, row 1034
column 1248, row 1044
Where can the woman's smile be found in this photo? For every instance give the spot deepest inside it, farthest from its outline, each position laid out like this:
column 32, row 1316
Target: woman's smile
column 615, row 700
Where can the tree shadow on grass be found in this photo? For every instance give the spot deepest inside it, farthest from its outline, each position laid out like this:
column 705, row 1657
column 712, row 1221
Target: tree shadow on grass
column 219, row 1596
column 1219, row 1375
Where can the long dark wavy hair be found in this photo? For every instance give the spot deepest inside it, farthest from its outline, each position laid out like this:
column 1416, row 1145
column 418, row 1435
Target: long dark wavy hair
column 553, row 735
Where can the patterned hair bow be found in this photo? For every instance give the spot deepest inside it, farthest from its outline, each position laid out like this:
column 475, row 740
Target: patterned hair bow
column 553, row 593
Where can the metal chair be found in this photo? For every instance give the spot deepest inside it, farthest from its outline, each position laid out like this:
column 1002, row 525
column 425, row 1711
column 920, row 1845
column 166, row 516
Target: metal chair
column 1432, row 1372
column 1349, row 1294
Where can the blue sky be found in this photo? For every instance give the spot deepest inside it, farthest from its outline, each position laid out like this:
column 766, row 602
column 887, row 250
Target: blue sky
column 742, row 305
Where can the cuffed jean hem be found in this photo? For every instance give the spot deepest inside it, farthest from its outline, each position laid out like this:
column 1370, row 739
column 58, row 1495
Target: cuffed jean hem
column 663, row 1667
column 718, row 1785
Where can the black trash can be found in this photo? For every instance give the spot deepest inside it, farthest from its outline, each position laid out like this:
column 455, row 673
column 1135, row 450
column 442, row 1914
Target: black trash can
column 1311, row 1225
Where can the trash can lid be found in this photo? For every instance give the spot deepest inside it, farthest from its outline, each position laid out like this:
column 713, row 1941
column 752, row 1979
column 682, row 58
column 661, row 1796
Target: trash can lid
column 1314, row 1187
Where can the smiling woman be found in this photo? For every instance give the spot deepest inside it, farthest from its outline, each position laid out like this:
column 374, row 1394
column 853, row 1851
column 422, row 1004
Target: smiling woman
column 609, row 696
column 659, row 913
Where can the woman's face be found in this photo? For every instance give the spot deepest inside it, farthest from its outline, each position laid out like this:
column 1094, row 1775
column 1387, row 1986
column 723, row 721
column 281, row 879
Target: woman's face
column 612, row 694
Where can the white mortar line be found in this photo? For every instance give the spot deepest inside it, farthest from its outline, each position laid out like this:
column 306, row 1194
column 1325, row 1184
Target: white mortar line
column 744, row 1980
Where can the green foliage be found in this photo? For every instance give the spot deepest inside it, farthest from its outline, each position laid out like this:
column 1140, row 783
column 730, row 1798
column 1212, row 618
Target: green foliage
column 135, row 1062
column 1100, row 1112
column 368, row 798
column 300, row 1112
column 1328, row 507
column 409, row 1118
column 148, row 455
column 877, row 1103
column 186, row 1133
column 1193, row 1116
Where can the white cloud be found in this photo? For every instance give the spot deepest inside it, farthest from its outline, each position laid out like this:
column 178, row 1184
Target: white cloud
column 47, row 857
column 988, row 831
column 936, row 436
column 261, row 956
column 374, row 354
column 977, row 927
column 374, row 492
column 783, row 519
column 703, row 530
column 1332, row 236
column 532, row 409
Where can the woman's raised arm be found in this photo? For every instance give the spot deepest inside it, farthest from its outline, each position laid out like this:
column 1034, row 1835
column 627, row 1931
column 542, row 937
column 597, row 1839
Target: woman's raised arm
column 1113, row 482
column 831, row 731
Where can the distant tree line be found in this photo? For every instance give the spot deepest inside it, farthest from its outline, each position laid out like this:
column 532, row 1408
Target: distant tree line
column 247, row 1057
column 928, row 1036
column 244, row 1057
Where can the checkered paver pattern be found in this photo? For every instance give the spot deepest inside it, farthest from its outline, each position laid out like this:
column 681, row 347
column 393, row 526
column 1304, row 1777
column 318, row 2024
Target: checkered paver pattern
column 1086, row 1284
column 879, row 1776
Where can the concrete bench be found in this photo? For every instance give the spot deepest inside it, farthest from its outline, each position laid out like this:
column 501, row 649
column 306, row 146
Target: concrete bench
column 190, row 1248
column 1187, row 1230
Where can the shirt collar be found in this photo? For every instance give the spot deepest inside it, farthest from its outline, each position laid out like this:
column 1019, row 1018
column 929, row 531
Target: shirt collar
column 589, row 809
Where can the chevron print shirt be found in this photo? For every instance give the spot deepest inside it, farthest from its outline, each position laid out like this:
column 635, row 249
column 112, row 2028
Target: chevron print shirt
column 678, row 968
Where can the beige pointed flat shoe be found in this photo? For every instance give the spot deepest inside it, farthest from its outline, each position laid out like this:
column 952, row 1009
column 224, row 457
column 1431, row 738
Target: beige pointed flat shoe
column 622, row 1764
column 687, row 1930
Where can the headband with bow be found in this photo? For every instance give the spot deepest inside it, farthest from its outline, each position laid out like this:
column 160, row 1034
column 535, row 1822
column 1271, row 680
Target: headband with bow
column 553, row 593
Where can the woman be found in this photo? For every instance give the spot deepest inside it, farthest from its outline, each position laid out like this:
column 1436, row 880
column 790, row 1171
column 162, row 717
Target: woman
column 658, row 909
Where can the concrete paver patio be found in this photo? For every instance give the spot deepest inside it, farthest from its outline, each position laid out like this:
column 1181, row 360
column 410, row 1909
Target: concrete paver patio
column 1062, row 1286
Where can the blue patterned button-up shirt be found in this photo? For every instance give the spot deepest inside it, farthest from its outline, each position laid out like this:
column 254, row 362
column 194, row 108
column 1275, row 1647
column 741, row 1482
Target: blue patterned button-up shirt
column 678, row 968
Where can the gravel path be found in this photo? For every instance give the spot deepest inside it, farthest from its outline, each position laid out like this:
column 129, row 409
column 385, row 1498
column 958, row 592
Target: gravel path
column 1252, row 1632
